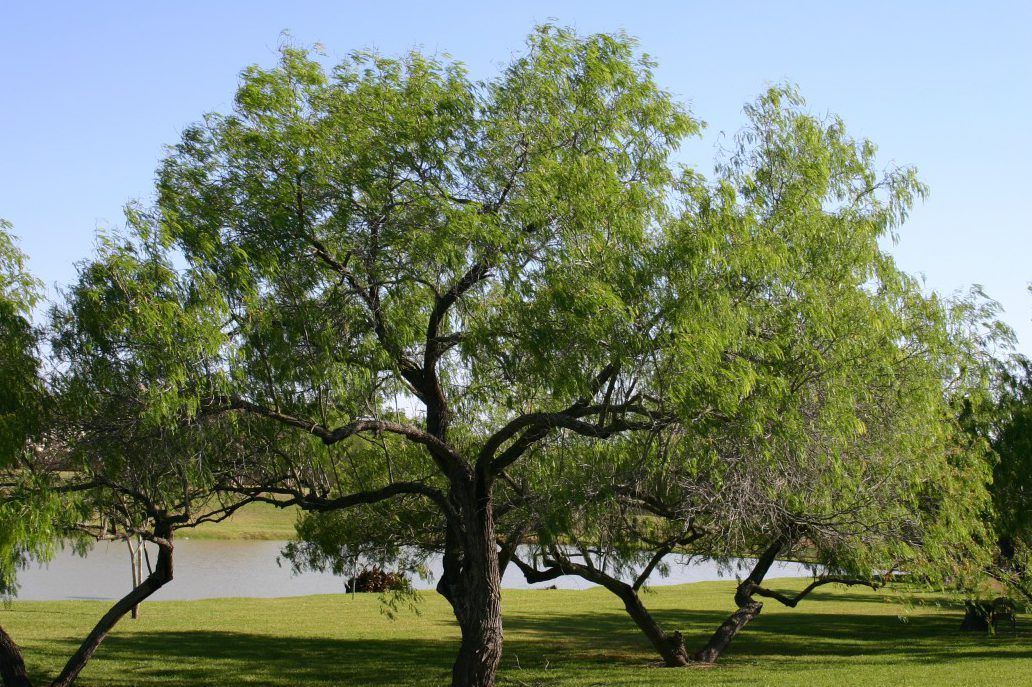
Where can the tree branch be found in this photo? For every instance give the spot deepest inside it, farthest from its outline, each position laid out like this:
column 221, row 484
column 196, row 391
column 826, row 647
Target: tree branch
column 444, row 455
column 313, row 502
column 791, row 601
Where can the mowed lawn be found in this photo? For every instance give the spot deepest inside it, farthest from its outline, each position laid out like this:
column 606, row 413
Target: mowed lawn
column 563, row 638
column 253, row 521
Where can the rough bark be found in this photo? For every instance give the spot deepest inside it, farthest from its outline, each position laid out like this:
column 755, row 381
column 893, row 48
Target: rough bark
column 12, row 667
column 724, row 635
column 471, row 583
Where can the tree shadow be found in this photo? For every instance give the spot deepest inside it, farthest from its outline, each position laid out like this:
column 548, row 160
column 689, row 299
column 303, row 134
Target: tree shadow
column 579, row 641
column 227, row 658
column 793, row 633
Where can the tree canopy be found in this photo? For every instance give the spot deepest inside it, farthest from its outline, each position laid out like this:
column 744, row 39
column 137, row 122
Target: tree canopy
column 499, row 305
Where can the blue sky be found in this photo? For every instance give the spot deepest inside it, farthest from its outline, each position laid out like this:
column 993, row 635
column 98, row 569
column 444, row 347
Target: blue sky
column 91, row 92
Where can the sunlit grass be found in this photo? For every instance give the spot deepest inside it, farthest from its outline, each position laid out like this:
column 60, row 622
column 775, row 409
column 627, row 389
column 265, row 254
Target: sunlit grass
column 563, row 638
column 253, row 521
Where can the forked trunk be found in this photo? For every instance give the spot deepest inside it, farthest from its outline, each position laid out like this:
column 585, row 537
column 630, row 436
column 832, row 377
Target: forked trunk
column 670, row 647
column 747, row 607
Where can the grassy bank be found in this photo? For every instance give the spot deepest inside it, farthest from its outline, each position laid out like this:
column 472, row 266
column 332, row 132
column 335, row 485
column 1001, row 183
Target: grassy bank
column 253, row 521
column 560, row 638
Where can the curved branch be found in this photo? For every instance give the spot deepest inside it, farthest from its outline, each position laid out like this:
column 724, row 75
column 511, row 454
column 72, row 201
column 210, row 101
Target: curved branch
column 161, row 575
column 792, row 601
column 444, row 455
column 540, row 424
column 313, row 502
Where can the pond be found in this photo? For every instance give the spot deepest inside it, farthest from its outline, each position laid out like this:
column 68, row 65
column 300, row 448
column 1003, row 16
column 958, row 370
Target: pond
column 213, row 569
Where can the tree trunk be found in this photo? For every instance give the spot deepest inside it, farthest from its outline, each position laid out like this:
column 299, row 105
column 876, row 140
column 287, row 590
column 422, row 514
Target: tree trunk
column 12, row 667
column 747, row 608
column 671, row 647
column 161, row 575
column 727, row 631
column 472, row 584
column 136, row 569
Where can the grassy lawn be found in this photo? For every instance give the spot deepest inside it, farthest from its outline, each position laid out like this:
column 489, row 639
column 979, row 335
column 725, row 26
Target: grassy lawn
column 561, row 638
column 253, row 521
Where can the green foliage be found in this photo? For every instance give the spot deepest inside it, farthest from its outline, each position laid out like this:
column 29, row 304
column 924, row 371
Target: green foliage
column 385, row 274
column 1012, row 493
column 28, row 518
column 21, row 393
column 815, row 383
column 373, row 189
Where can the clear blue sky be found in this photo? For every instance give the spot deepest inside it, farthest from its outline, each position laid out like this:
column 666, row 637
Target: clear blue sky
column 91, row 92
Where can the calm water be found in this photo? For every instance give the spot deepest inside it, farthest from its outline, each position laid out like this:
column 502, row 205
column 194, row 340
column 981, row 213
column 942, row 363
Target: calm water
column 213, row 569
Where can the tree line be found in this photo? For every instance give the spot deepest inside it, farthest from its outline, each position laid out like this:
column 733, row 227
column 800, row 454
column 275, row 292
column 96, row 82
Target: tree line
column 495, row 320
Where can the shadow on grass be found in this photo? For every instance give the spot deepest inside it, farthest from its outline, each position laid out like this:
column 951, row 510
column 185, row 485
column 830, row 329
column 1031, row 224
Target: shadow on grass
column 792, row 633
column 229, row 658
column 578, row 641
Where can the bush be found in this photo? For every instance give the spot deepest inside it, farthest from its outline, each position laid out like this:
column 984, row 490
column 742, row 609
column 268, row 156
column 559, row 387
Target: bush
column 377, row 580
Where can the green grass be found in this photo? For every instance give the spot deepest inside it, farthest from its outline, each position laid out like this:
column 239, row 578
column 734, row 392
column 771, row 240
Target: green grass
column 253, row 521
column 561, row 638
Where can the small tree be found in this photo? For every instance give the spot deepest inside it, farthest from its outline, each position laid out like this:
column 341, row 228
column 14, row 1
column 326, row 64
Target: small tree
column 107, row 465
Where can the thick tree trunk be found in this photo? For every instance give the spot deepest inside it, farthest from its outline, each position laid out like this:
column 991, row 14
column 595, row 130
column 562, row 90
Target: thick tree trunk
column 471, row 583
column 670, row 647
column 722, row 638
column 12, row 667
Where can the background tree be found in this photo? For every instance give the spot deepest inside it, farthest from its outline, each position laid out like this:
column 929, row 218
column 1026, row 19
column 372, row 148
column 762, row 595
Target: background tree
column 107, row 464
column 841, row 445
column 24, row 526
column 1011, row 490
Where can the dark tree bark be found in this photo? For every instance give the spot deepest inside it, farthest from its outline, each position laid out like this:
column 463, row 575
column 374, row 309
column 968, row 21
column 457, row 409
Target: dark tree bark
column 747, row 607
column 670, row 647
column 724, row 635
column 12, row 667
column 471, row 583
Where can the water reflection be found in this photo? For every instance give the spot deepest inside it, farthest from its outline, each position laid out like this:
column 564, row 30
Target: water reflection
column 213, row 569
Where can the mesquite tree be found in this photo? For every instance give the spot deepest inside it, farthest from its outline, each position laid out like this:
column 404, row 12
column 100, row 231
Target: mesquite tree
column 467, row 267
column 1012, row 496
column 107, row 464
column 844, row 446
column 22, row 400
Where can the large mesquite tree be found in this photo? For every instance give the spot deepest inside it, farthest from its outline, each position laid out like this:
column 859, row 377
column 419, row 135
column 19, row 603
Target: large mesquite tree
column 467, row 268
